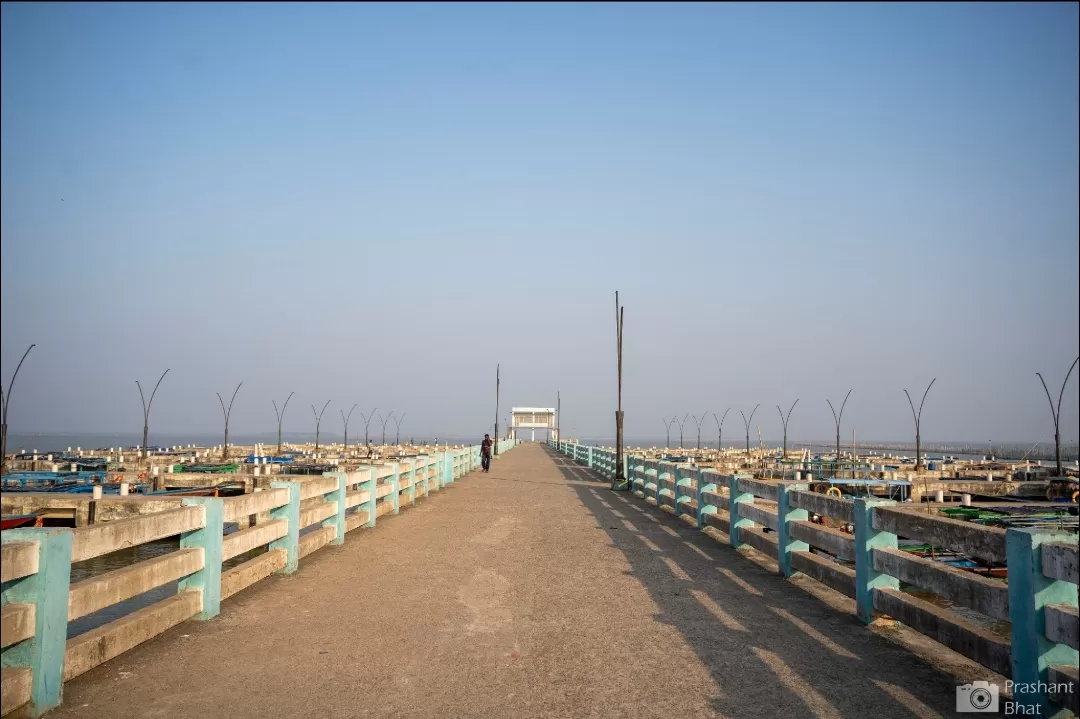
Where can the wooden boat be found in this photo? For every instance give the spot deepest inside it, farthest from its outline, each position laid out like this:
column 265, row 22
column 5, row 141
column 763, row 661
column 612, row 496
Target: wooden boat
column 13, row 521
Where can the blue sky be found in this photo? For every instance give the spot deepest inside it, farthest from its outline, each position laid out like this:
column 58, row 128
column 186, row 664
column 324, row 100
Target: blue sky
column 378, row 203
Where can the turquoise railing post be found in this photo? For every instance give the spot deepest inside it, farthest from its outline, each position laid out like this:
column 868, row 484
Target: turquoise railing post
column 337, row 495
column 413, row 476
column 418, row 479
column 704, row 484
column 681, row 482
column 785, row 515
column 448, row 468
column 430, row 483
column 589, row 459
column 661, row 477
column 395, row 482
column 291, row 514
column 371, row 486
column 47, row 590
column 208, row 579
column 866, row 538
column 735, row 520
column 431, row 472
column 1029, row 594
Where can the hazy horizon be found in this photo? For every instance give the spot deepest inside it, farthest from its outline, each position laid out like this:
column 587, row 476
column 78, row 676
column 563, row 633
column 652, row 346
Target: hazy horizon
column 378, row 203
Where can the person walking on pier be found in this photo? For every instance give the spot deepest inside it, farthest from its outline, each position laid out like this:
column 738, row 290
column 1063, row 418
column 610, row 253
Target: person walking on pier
column 485, row 452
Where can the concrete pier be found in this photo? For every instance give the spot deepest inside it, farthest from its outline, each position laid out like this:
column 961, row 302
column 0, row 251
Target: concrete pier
column 530, row 591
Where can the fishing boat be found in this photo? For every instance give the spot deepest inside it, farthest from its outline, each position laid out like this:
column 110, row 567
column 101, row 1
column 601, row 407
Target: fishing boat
column 13, row 521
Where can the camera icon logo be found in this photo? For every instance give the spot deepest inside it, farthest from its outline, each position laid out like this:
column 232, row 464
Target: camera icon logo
column 977, row 697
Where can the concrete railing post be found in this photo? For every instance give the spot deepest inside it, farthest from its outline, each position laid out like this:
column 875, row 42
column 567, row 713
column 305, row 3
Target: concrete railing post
column 395, row 482
column 47, row 590
column 704, row 506
column 1030, row 591
column 208, row 579
column 371, row 486
column 661, row 477
column 290, row 512
column 337, row 495
column 866, row 538
column 735, row 498
column 425, row 469
column 785, row 515
column 681, row 482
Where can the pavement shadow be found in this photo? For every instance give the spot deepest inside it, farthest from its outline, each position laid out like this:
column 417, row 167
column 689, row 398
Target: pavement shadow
column 772, row 649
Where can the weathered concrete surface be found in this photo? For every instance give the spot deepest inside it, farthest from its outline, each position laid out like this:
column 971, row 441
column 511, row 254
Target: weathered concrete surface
column 531, row 591
column 98, row 539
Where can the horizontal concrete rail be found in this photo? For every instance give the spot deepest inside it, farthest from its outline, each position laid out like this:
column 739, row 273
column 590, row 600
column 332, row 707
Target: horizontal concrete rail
column 1061, row 561
column 823, row 505
column 16, row 622
column 1063, row 678
column 99, row 539
column 833, row 541
column 948, row 628
column 317, row 513
column 829, row 573
column 758, row 514
column 254, row 570
column 759, row 540
column 237, row 543
column 973, row 540
column 355, row 499
column 104, row 590
column 315, row 540
column 1063, row 625
column 716, row 499
column 317, row 487
column 245, row 505
column 765, row 490
column 98, row 646
column 357, row 519
column 982, row 594
column 18, row 560
column 15, row 684
column 718, row 521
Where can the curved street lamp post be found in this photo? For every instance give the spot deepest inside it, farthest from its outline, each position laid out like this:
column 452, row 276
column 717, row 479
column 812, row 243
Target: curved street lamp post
column 720, row 431
column 667, row 428
column 367, row 423
column 397, row 428
column 384, row 421
column 747, row 423
column 5, row 401
column 698, row 423
column 146, row 410
column 318, row 421
column 280, row 416
column 1055, row 413
column 784, row 421
column 227, row 413
column 345, row 419
column 918, row 423
column 836, row 420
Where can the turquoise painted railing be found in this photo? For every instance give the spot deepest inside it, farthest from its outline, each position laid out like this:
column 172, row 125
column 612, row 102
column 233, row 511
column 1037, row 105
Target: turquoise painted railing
column 292, row 519
column 859, row 556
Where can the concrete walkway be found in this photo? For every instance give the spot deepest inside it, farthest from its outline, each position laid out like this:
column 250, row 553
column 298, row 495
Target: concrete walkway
column 532, row 591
